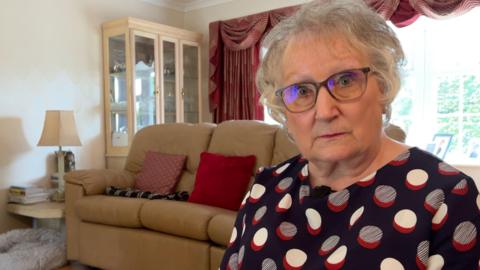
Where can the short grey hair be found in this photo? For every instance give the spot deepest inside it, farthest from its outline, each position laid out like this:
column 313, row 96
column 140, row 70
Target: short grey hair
column 364, row 30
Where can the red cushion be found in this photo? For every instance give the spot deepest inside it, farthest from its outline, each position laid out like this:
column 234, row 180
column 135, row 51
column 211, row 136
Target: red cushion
column 160, row 172
column 222, row 180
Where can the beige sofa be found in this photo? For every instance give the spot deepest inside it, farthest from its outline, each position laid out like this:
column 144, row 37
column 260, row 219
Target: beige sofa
column 130, row 233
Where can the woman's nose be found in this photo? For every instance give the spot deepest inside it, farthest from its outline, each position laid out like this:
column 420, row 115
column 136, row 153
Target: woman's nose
column 326, row 107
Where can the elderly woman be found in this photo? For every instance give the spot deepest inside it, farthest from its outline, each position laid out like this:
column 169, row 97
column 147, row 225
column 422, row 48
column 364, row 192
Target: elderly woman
column 353, row 198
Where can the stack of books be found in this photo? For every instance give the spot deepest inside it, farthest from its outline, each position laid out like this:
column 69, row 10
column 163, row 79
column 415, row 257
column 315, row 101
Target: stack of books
column 28, row 195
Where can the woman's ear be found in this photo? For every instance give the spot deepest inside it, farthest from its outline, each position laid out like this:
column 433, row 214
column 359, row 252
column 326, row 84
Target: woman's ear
column 289, row 134
column 290, row 137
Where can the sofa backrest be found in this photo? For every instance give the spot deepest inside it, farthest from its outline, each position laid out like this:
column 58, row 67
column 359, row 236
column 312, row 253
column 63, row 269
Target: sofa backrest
column 284, row 147
column 175, row 138
column 247, row 137
column 234, row 138
column 244, row 137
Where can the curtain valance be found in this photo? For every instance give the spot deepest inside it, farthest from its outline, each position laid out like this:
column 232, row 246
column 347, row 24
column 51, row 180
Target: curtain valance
column 244, row 34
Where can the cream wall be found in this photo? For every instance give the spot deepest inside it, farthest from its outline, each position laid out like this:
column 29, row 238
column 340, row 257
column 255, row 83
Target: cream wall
column 50, row 58
column 198, row 21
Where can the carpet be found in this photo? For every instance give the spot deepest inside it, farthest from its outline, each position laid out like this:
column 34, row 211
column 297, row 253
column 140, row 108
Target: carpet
column 32, row 249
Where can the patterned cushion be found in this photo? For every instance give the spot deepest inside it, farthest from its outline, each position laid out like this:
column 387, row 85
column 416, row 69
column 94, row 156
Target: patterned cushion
column 160, row 172
column 136, row 193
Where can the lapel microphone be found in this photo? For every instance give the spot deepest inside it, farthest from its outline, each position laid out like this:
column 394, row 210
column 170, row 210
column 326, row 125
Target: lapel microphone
column 320, row 191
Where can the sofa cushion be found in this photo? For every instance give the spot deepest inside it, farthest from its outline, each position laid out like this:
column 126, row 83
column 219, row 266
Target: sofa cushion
column 179, row 218
column 116, row 211
column 174, row 138
column 220, row 228
column 222, row 180
column 244, row 137
column 160, row 172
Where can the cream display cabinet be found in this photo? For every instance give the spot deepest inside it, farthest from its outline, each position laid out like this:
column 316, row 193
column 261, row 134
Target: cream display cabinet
column 151, row 76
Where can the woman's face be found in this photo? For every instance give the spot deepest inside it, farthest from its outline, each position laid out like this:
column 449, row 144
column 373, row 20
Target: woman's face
column 331, row 131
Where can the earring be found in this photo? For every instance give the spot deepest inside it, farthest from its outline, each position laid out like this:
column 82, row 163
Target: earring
column 386, row 115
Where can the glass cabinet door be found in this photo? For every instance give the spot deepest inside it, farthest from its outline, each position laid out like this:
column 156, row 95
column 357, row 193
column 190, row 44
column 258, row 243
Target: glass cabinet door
column 169, row 81
column 190, row 83
column 144, row 86
column 118, row 96
column 150, row 76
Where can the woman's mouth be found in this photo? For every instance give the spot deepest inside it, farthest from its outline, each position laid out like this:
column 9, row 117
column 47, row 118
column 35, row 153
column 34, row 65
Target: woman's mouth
column 332, row 135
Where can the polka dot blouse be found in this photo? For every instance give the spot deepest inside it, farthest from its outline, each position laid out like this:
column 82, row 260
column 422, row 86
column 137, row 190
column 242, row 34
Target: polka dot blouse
column 416, row 212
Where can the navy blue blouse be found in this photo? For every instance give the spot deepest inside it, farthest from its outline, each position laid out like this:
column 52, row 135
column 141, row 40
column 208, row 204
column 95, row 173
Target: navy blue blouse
column 416, row 212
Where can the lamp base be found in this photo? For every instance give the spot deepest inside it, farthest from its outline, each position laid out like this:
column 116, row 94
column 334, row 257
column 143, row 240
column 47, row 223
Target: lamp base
column 58, row 196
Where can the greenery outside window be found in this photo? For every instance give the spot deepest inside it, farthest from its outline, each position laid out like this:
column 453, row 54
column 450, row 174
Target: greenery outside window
column 441, row 85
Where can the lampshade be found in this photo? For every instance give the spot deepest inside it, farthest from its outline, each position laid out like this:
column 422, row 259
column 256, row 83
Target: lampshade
column 59, row 129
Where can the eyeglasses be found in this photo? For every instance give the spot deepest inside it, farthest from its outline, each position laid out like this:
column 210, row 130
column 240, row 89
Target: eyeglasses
column 345, row 86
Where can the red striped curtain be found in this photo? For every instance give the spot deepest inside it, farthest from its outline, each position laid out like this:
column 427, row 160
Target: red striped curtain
column 234, row 54
column 234, row 48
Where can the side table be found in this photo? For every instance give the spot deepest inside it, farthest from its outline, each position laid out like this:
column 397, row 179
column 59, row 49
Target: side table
column 41, row 213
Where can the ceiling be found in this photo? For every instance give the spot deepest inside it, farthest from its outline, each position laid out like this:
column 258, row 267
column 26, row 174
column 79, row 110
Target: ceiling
column 186, row 5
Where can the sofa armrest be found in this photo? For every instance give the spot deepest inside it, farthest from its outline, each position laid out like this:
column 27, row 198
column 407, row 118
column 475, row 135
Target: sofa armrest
column 95, row 181
column 84, row 183
column 73, row 193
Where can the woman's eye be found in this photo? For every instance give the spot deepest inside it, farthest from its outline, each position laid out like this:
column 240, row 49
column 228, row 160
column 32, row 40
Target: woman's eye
column 303, row 90
column 344, row 80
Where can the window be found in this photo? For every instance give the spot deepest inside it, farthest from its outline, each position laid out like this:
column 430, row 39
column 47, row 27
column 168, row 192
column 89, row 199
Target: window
column 441, row 85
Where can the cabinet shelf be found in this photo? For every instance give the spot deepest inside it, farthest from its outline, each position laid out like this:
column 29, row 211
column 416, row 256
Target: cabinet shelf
column 118, row 107
column 169, row 78
column 118, row 74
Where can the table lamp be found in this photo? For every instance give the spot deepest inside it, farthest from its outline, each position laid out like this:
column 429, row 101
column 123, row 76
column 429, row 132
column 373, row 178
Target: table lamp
column 59, row 130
